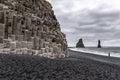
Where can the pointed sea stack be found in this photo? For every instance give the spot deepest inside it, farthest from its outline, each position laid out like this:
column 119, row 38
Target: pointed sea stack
column 80, row 44
column 99, row 44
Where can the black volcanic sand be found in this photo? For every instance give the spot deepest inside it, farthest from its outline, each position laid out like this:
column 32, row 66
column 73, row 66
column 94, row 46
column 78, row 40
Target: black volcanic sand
column 25, row 67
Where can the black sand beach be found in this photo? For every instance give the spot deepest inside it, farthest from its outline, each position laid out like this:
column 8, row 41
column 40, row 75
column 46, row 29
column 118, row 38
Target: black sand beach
column 79, row 66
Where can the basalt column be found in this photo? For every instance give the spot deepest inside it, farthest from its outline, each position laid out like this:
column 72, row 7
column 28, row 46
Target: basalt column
column 30, row 27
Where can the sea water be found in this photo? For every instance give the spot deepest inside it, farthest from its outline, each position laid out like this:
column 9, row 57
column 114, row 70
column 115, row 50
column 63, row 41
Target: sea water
column 114, row 51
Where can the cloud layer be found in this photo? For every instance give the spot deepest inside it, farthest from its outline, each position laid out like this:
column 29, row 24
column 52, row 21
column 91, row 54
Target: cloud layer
column 90, row 20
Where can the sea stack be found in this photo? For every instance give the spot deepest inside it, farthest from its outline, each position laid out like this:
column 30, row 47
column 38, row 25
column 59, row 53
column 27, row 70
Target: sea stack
column 30, row 27
column 99, row 44
column 80, row 44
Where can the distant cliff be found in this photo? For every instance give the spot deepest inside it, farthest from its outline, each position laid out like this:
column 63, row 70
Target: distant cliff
column 80, row 44
column 30, row 26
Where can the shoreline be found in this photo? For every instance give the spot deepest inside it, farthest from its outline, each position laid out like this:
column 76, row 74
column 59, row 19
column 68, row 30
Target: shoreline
column 98, row 51
column 95, row 57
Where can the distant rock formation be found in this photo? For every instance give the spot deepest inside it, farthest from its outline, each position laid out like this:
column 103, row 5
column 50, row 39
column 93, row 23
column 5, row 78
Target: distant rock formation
column 99, row 44
column 30, row 27
column 80, row 44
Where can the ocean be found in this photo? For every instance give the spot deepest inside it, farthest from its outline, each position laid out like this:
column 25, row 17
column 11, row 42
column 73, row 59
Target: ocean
column 114, row 51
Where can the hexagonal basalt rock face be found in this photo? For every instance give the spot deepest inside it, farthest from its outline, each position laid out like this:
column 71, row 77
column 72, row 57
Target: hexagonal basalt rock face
column 30, row 27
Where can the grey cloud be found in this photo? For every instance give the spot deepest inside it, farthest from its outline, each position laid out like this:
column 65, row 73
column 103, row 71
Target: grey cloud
column 99, row 24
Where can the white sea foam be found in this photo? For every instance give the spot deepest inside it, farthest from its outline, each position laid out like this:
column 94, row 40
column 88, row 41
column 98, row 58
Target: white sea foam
column 114, row 52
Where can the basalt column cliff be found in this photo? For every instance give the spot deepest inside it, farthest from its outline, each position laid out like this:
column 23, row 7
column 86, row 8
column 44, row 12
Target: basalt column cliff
column 30, row 27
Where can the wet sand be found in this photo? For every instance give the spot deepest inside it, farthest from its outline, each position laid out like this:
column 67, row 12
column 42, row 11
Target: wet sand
column 100, row 58
column 79, row 66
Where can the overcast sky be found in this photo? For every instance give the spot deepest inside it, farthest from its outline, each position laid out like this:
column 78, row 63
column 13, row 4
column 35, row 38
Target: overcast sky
column 90, row 20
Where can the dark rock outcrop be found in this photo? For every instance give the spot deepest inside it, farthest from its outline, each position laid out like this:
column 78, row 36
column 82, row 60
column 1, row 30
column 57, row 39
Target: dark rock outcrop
column 80, row 44
column 30, row 26
column 99, row 44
